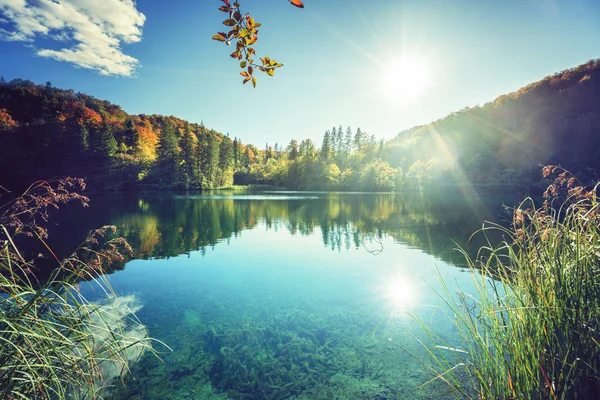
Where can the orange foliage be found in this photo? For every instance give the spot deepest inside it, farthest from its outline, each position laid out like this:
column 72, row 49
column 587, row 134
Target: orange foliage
column 148, row 140
column 251, row 156
column 91, row 116
column 6, row 121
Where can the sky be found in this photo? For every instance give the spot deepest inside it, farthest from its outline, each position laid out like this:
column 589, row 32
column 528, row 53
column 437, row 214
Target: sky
column 383, row 66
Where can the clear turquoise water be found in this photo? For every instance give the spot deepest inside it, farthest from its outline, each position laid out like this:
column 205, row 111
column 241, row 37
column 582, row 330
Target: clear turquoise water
column 289, row 303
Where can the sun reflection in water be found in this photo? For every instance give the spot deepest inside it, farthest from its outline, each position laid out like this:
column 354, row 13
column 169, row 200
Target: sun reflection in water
column 401, row 293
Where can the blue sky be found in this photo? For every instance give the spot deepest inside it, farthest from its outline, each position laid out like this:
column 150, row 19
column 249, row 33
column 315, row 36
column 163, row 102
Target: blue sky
column 157, row 57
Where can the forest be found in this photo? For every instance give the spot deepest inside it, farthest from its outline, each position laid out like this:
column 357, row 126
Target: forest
column 50, row 132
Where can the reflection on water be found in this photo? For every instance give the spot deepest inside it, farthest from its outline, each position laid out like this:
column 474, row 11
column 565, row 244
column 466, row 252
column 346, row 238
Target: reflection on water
column 255, row 304
column 163, row 225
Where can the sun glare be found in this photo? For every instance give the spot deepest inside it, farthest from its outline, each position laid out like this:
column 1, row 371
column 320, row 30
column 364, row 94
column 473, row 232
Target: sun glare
column 401, row 293
column 406, row 79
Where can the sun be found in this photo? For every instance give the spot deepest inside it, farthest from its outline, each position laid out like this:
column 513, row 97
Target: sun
column 406, row 80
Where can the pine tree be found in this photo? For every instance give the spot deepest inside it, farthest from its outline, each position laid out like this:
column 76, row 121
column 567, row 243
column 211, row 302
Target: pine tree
column 292, row 150
column 340, row 142
column 187, row 156
column 332, row 138
column 199, row 155
column 358, row 140
column 168, row 153
column 132, row 136
column 236, row 153
column 348, row 143
column 226, row 154
column 326, row 146
column 210, row 161
column 108, row 144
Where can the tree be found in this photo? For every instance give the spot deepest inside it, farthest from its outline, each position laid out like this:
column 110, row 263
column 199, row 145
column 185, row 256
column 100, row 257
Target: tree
column 226, row 159
column 358, row 140
column 168, row 153
column 348, row 142
column 108, row 144
column 236, row 153
column 131, row 135
column 188, row 156
column 332, row 140
column 292, row 150
column 210, row 162
column 326, row 146
column 339, row 139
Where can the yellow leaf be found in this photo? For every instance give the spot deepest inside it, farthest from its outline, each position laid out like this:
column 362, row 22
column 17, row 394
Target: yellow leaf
column 219, row 38
column 253, row 82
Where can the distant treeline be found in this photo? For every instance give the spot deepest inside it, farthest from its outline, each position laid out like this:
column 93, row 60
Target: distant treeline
column 47, row 132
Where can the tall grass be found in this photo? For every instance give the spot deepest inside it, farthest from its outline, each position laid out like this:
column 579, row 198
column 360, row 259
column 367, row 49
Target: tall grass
column 531, row 330
column 54, row 344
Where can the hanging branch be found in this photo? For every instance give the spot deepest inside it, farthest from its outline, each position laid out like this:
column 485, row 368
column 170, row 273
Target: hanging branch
column 244, row 31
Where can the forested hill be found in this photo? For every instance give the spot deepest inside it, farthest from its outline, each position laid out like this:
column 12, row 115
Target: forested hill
column 553, row 121
column 47, row 132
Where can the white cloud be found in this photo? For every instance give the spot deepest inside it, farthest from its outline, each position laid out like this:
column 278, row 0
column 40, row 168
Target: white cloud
column 96, row 29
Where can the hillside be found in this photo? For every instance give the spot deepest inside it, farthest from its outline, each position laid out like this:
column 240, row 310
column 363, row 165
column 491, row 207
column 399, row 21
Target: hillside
column 553, row 121
column 47, row 132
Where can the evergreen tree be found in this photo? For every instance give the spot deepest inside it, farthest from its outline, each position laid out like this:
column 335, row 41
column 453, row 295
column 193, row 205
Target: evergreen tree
column 246, row 157
column 199, row 155
column 210, row 161
column 268, row 152
column 131, row 135
column 168, row 153
column 326, row 146
column 332, row 140
column 84, row 144
column 226, row 154
column 348, row 142
column 339, row 142
column 236, row 153
column 292, row 150
column 108, row 144
column 358, row 140
column 188, row 156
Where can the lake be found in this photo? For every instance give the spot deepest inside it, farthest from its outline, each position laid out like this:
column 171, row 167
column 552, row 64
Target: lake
column 287, row 295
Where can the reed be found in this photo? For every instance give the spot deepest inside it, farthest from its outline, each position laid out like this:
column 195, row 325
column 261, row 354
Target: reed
column 55, row 344
column 532, row 328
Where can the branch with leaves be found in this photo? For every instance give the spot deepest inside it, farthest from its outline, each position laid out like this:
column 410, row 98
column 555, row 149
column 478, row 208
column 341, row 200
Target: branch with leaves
column 244, row 31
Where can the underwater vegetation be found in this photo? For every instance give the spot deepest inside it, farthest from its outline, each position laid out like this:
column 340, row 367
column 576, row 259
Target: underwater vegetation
column 293, row 353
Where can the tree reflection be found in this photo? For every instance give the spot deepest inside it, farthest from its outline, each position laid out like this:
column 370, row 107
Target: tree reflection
column 162, row 226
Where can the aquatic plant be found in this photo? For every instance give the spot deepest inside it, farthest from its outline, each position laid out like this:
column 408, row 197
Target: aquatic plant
column 55, row 344
column 532, row 329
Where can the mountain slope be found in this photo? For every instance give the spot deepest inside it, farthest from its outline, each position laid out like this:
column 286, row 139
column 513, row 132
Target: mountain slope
column 553, row 121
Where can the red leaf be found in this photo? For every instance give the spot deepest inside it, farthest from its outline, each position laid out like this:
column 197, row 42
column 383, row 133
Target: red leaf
column 297, row 3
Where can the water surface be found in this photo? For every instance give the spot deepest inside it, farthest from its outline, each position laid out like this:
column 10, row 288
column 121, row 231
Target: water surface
column 289, row 295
